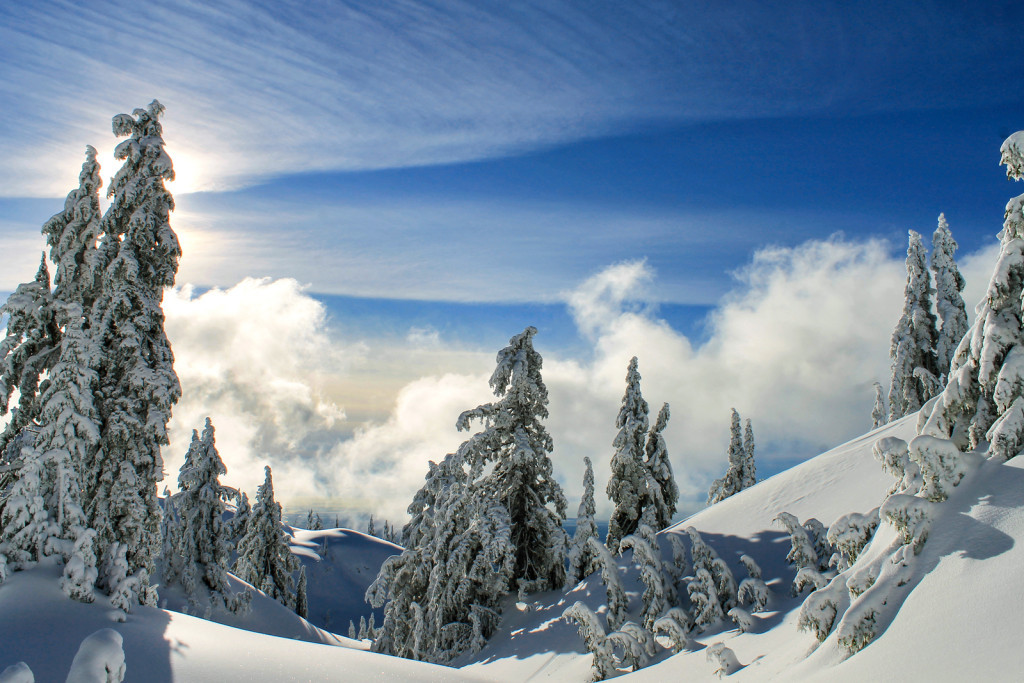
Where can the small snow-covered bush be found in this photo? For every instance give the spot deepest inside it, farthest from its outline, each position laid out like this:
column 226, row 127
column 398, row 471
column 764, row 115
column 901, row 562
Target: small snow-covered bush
column 808, row 576
column 912, row 517
column 675, row 625
column 801, row 552
column 941, row 462
column 753, row 592
column 618, row 602
column 741, row 617
column 850, row 534
column 855, row 633
column 819, row 611
column 704, row 598
column 723, row 659
column 593, row 639
column 100, row 659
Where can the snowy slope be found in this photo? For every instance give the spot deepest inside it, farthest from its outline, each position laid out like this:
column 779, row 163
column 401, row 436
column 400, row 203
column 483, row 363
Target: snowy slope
column 958, row 621
column 340, row 566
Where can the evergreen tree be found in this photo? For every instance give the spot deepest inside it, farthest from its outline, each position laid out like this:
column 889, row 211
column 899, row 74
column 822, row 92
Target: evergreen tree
column 627, row 486
column 515, row 441
column 581, row 559
column 239, row 520
column 264, row 558
column 741, row 473
column 301, row 604
column 748, row 475
column 647, row 554
column 661, row 486
column 984, row 398
column 915, row 369
column 370, row 531
column 24, row 523
column 204, row 545
column 949, row 302
column 138, row 258
column 878, row 410
column 29, row 350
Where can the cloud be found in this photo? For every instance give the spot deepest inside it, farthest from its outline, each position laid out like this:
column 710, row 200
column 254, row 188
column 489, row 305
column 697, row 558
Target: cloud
column 255, row 91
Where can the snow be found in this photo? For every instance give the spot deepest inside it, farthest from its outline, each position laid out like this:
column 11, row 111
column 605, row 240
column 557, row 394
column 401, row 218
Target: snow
column 956, row 618
column 100, row 659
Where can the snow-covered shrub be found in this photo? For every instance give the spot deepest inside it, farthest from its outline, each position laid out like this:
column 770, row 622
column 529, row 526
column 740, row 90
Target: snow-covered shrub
column 704, row 597
column 820, row 609
column 859, row 627
column 705, row 557
column 753, row 590
column 679, row 566
column 100, row 659
column 941, row 463
column 655, row 598
column 594, row 639
column 618, row 602
column 723, row 659
column 741, row 617
column 801, row 551
column 878, row 409
column 850, row 534
column 894, row 454
column 644, row 638
column 629, row 650
column 808, row 577
column 675, row 625
column 79, row 578
column 912, row 517
column 818, row 535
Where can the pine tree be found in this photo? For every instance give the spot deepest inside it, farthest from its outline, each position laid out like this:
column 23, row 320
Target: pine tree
column 878, row 410
column 138, row 258
column 748, row 475
column 204, row 545
column 29, row 350
column 515, row 441
column 627, row 486
column 581, row 558
column 24, row 523
column 661, row 486
column 647, row 554
column 915, row 369
column 240, row 519
column 370, row 531
column 984, row 398
column 741, row 472
column 301, row 604
column 264, row 558
column 949, row 302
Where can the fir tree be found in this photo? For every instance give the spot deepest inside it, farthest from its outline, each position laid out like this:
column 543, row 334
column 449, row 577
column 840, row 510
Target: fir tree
column 370, row 531
column 661, row 486
column 581, row 558
column 915, row 369
column 515, row 441
column 301, row 604
column 741, row 473
column 949, row 302
column 748, row 475
column 264, row 558
column 29, row 350
column 204, row 545
column 138, row 258
column 878, row 410
column 627, row 486
column 984, row 398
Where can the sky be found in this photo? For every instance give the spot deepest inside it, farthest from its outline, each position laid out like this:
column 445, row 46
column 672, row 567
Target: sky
column 372, row 198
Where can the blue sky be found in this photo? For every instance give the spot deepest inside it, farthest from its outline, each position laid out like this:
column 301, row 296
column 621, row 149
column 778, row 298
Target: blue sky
column 447, row 172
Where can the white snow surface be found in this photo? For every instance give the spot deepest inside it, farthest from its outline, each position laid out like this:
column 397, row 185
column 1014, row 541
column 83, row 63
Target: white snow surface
column 958, row 618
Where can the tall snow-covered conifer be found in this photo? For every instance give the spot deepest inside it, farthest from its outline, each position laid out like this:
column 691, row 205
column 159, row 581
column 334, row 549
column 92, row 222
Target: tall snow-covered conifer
column 915, row 370
column 984, row 398
column 878, row 409
column 627, row 486
column 264, row 558
column 204, row 542
column 741, row 473
column 29, row 350
column 661, row 487
column 581, row 557
column 949, row 302
column 515, row 441
column 138, row 258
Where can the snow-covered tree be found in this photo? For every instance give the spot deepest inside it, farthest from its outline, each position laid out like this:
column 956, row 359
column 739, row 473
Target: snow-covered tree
column 801, row 552
column 594, row 639
column 627, row 486
column 370, row 530
column 648, row 557
column 441, row 594
column 661, row 485
column 138, row 258
column 29, row 350
column 515, row 441
column 915, row 369
column 618, row 602
column 753, row 590
column 949, row 302
column 705, row 557
column 264, row 558
column 301, row 604
column 204, row 545
column 984, row 398
column 581, row 557
column 24, row 523
column 742, row 472
column 878, row 409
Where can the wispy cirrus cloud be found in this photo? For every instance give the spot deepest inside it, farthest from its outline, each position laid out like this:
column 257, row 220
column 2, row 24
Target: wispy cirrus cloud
column 255, row 90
